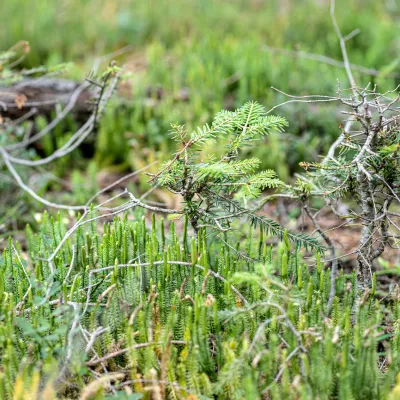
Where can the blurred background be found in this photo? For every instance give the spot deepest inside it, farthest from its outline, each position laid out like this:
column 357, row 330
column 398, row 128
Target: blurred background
column 188, row 59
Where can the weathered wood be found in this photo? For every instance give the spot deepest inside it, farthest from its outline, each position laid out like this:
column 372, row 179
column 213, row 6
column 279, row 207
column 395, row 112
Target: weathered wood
column 43, row 95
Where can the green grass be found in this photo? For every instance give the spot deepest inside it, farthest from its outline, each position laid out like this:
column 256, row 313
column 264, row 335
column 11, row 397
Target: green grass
column 189, row 317
column 189, row 314
column 213, row 55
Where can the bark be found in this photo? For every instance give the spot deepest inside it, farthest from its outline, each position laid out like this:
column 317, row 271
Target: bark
column 365, row 246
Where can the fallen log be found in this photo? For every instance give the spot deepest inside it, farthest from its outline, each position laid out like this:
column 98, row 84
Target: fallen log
column 42, row 96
